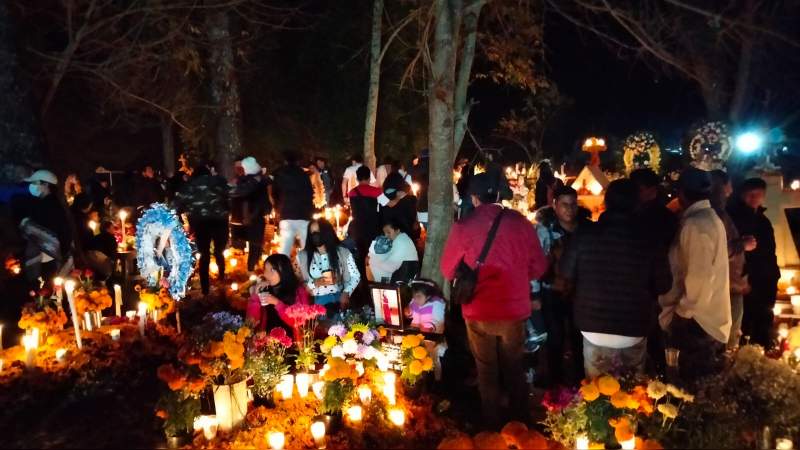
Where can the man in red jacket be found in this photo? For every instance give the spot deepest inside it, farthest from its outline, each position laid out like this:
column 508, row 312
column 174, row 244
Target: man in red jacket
column 497, row 313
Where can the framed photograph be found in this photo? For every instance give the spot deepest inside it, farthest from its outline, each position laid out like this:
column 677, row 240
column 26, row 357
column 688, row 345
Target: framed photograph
column 388, row 305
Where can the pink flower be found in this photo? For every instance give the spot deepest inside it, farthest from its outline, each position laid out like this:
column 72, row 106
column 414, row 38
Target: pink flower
column 277, row 333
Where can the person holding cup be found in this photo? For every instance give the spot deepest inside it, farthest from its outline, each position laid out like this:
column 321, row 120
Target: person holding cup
column 328, row 268
column 273, row 292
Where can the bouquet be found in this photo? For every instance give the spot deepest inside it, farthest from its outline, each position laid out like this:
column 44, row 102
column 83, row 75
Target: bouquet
column 157, row 298
column 266, row 360
column 606, row 413
column 88, row 297
column 340, row 379
column 217, row 348
column 44, row 313
column 415, row 358
column 304, row 318
column 358, row 342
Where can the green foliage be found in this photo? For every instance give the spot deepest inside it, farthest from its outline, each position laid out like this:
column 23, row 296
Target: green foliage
column 338, row 395
column 180, row 413
column 266, row 370
column 564, row 427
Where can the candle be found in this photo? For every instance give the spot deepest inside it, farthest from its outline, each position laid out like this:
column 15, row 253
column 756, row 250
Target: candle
column 87, row 321
column 389, row 378
column 234, row 262
column 29, row 342
column 235, row 286
column 142, row 317
column 795, row 300
column 397, row 416
column 93, row 226
column 130, row 314
column 390, row 392
column 784, row 444
column 118, row 299
column 630, row 444
column 318, row 433
column 2, row 363
column 783, row 331
column 303, row 380
column 355, row 413
column 178, row 316
column 582, row 442
column 58, row 284
column 365, row 394
column 69, row 286
column 791, row 290
column 60, row 353
column 122, row 216
column 253, row 278
column 209, row 424
column 213, row 267
column 276, row 440
column 114, row 334
column 286, row 386
column 777, row 310
column 383, row 362
column 360, row 368
column 247, row 247
column 226, row 253
column 319, row 389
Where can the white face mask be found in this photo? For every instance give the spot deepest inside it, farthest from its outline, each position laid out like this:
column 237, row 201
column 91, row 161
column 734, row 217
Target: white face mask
column 35, row 190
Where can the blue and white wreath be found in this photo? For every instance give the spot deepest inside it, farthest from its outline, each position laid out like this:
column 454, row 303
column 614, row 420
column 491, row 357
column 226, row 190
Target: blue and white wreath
column 161, row 243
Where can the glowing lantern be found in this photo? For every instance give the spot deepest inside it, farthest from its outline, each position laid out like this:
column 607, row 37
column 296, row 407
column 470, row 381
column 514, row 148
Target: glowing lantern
column 594, row 146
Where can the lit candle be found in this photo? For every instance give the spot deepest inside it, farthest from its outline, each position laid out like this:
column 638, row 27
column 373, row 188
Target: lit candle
column 226, row 253
column 58, row 284
column 118, row 299
column 209, row 424
column 142, row 317
column 60, row 353
column 791, row 290
column 582, row 442
column 397, row 416
column 235, row 286
column 213, row 267
column 318, row 433
column 365, row 394
column 303, row 380
column 114, row 334
column 777, row 310
column 69, row 286
column 253, row 278
column 247, row 247
column 122, row 216
column 2, row 363
column 390, row 392
column 795, row 300
column 29, row 342
column 383, row 362
column 286, row 386
column 319, row 389
column 178, row 316
column 360, row 368
column 355, row 414
column 783, row 331
column 784, row 444
column 389, row 378
column 630, row 444
column 93, row 226
column 276, row 440
column 130, row 314
column 87, row 321
column 234, row 262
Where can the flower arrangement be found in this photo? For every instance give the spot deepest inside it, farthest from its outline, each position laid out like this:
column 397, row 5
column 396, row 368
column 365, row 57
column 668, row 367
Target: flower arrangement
column 305, row 318
column 513, row 435
column 157, row 299
column 44, row 313
column 607, row 413
column 88, row 297
column 641, row 151
column 217, row 348
column 710, row 145
column 359, row 341
column 415, row 358
column 340, row 382
column 178, row 413
column 266, row 362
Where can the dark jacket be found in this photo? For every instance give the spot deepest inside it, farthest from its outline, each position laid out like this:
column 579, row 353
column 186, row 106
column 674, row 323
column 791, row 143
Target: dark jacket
column 761, row 265
column 618, row 273
column 365, row 226
column 554, row 239
column 659, row 222
column 405, row 212
column 47, row 212
column 293, row 193
column 104, row 243
column 250, row 200
column 204, row 198
column 148, row 191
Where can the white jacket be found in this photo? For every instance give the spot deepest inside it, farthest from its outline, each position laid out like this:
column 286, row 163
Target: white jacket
column 699, row 262
column 383, row 266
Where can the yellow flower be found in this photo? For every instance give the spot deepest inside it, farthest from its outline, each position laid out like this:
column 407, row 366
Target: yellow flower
column 328, row 343
column 410, row 341
column 669, row 410
column 619, row 399
column 419, row 352
column 382, row 331
column 243, row 334
column 656, row 390
column 590, row 392
column 607, row 385
column 675, row 391
column 415, row 367
column 427, row 363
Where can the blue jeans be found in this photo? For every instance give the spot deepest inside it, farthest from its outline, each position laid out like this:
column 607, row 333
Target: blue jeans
column 599, row 360
column 330, row 302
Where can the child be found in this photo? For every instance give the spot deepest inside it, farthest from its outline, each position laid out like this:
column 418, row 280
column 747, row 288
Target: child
column 427, row 307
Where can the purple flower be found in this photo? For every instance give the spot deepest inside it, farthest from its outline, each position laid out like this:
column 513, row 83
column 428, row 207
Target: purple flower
column 368, row 338
column 337, row 330
column 361, row 352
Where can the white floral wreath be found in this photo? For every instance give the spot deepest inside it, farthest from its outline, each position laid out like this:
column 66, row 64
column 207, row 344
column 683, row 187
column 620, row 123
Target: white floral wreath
column 710, row 146
column 161, row 243
column 641, row 151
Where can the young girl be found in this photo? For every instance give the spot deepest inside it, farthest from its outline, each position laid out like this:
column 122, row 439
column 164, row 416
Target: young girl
column 427, row 307
column 277, row 289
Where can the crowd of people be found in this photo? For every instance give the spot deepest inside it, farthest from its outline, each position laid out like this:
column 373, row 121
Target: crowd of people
column 694, row 274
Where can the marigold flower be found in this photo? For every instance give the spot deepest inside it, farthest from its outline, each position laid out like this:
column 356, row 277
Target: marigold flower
column 427, row 363
column 669, row 410
column 589, row 392
column 656, row 390
column 162, row 414
column 415, row 367
column 607, row 385
column 619, row 399
column 419, row 352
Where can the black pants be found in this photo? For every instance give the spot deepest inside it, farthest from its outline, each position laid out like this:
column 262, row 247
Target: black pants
column 700, row 354
column 205, row 232
column 255, row 239
column 758, row 316
column 562, row 336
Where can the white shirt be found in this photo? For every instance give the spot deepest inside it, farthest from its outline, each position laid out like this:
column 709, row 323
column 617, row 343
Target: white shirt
column 611, row 340
column 383, row 266
column 699, row 262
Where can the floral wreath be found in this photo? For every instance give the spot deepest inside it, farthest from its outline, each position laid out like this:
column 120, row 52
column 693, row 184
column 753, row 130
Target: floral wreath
column 162, row 243
column 641, row 151
column 710, row 145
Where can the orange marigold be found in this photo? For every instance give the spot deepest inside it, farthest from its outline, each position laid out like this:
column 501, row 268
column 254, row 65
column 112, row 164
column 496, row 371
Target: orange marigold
column 419, row 352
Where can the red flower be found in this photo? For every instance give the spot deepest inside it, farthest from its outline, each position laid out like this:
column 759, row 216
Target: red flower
column 277, row 333
column 88, row 273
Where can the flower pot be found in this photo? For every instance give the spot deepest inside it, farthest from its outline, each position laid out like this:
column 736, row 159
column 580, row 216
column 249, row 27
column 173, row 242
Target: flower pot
column 230, row 403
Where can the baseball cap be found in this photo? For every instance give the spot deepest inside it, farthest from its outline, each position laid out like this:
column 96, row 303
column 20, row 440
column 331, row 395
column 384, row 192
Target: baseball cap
column 42, row 176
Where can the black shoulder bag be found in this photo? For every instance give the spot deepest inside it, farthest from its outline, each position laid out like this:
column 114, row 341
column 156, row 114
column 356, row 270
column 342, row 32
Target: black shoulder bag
column 466, row 277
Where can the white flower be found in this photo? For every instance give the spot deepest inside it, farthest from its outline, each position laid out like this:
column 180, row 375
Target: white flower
column 350, row 347
column 337, row 351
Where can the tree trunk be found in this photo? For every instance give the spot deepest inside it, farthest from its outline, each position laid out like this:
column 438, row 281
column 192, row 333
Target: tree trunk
column 462, row 107
column 441, row 132
column 168, row 145
column 224, row 90
column 21, row 142
column 374, row 85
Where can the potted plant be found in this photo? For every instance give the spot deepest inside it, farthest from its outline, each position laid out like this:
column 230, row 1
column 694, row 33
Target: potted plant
column 178, row 411
column 266, row 363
